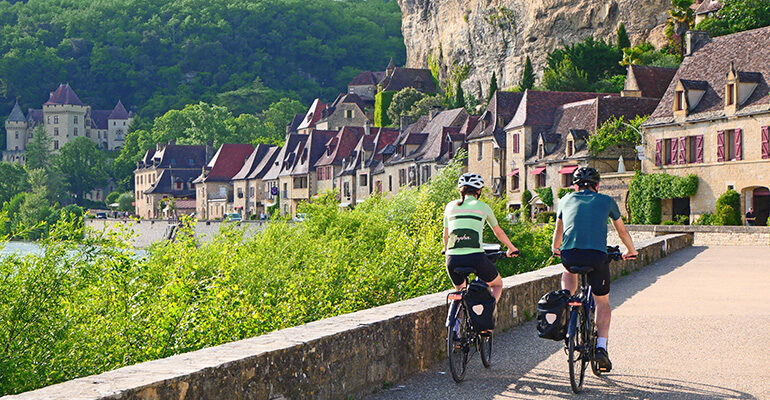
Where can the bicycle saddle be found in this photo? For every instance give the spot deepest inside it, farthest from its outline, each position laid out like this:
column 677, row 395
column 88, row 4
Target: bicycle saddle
column 580, row 269
column 464, row 270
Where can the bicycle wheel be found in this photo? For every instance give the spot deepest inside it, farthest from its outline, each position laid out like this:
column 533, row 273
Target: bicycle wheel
column 485, row 349
column 591, row 336
column 457, row 346
column 575, row 346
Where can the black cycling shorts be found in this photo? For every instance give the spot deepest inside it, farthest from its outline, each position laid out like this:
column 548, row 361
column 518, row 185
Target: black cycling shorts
column 484, row 268
column 600, row 276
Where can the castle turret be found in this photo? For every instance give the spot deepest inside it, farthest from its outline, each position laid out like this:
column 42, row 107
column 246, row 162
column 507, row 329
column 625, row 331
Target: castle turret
column 16, row 130
column 117, row 126
column 64, row 116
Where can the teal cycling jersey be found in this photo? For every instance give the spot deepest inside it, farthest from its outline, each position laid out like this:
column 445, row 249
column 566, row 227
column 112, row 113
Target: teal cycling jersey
column 584, row 216
column 466, row 225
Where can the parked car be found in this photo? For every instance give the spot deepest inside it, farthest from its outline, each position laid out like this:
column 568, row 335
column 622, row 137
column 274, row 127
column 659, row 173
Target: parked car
column 101, row 215
column 232, row 217
column 299, row 217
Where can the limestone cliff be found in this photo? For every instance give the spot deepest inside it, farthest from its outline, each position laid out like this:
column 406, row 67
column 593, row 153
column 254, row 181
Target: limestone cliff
column 497, row 35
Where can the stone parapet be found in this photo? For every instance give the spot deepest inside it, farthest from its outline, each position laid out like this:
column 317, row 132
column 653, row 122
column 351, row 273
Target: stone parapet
column 707, row 235
column 335, row 358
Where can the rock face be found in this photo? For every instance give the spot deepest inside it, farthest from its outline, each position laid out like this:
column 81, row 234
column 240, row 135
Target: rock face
column 497, row 35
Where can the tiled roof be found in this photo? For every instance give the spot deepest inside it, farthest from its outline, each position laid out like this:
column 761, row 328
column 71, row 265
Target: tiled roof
column 251, row 163
column 119, row 112
column 166, row 182
column 694, row 84
column 16, row 114
column 708, row 6
column 282, row 158
column 366, row 78
column 431, row 148
column 227, row 161
column 651, row 81
column 401, row 78
column 313, row 114
column 64, row 95
column 340, row 146
column 265, row 164
column 748, row 51
column 176, row 156
column 502, row 105
column 294, row 124
column 34, row 116
column 537, row 108
column 99, row 119
column 309, row 153
column 344, row 98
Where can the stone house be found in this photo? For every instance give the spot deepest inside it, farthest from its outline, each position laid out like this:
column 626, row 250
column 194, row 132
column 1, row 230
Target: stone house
column 346, row 110
column 486, row 142
column 705, row 9
column 166, row 171
column 365, row 84
column 397, row 78
column 214, row 188
column 713, row 122
column 356, row 178
column 312, row 116
column 64, row 117
column 534, row 115
column 284, row 159
column 336, row 150
column 297, row 178
column 248, row 188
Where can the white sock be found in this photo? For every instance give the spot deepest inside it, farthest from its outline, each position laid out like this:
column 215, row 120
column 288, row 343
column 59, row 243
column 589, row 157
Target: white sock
column 601, row 342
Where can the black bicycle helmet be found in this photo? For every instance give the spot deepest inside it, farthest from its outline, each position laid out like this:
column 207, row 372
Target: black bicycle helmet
column 585, row 176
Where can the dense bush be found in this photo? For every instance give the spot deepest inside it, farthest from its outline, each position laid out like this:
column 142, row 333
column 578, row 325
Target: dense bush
column 546, row 217
column 737, row 16
column 646, row 191
column 382, row 102
column 82, row 309
column 728, row 211
column 564, row 191
column 546, row 195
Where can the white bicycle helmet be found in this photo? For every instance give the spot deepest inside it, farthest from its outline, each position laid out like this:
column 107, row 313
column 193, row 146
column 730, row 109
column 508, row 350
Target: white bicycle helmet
column 470, row 179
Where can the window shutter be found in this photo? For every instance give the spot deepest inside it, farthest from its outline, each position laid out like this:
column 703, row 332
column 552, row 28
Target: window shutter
column 765, row 142
column 699, row 149
column 720, row 145
column 738, row 141
column 674, row 150
column 658, row 151
column 682, row 150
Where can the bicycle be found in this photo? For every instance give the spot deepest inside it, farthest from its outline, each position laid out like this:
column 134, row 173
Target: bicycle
column 580, row 342
column 462, row 337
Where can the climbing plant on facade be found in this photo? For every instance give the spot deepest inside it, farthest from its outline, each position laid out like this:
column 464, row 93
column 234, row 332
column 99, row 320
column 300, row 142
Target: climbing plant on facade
column 647, row 190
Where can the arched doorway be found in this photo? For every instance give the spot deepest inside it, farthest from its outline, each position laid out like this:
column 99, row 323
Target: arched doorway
column 761, row 204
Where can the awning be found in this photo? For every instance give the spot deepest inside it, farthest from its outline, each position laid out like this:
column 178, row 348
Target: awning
column 568, row 169
column 537, row 171
column 514, row 172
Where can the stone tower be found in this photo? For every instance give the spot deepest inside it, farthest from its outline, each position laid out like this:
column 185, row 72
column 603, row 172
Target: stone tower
column 64, row 116
column 117, row 126
column 16, row 130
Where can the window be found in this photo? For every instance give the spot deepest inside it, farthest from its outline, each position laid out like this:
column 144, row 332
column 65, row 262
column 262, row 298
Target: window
column 48, row 119
column 17, row 135
column 730, row 94
column 240, row 193
column 692, row 149
column 401, row 177
column 362, row 180
column 515, row 142
column 179, row 186
column 285, row 192
column 346, row 189
column 348, row 114
column 56, row 131
column 426, row 173
column 56, row 145
column 566, row 180
column 480, row 150
column 540, row 150
column 88, row 134
column 679, row 102
column 570, row 148
column 75, row 119
column 75, row 131
column 666, row 151
column 541, row 181
column 515, row 182
column 378, row 185
column 390, row 183
column 55, row 119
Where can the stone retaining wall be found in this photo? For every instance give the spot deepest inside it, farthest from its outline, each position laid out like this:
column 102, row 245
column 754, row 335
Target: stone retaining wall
column 336, row 358
column 707, row 235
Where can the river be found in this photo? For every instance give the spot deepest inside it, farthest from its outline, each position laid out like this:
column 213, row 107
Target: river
column 24, row 248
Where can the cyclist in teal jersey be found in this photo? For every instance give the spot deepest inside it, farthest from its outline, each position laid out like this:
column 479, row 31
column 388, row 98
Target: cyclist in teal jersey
column 464, row 221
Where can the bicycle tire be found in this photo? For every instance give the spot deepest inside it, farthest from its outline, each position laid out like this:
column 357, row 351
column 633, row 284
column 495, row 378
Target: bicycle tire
column 592, row 335
column 457, row 349
column 577, row 361
column 485, row 349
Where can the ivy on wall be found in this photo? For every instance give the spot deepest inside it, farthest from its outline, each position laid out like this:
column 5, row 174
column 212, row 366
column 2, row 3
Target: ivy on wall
column 646, row 191
column 381, row 103
column 616, row 132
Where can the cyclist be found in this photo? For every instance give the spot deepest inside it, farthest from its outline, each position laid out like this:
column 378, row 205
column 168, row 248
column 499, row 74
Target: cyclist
column 463, row 227
column 580, row 238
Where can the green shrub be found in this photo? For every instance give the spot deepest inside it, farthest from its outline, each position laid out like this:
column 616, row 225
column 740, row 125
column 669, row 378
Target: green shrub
column 564, row 191
column 646, row 191
column 112, row 198
column 728, row 209
column 669, row 222
column 546, row 195
column 526, row 208
column 705, row 219
column 546, row 217
column 124, row 202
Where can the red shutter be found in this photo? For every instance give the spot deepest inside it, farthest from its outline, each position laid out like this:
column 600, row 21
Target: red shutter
column 682, row 150
column 766, row 142
column 658, row 151
column 674, row 150
column 720, row 145
column 699, row 149
column 738, row 141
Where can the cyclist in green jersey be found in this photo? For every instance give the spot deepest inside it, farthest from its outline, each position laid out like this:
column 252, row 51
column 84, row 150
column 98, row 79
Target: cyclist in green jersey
column 463, row 227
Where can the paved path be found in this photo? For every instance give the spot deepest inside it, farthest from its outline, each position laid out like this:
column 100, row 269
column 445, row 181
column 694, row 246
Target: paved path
column 695, row 325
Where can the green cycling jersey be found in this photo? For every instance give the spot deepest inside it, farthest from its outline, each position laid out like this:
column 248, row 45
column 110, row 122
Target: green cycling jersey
column 465, row 224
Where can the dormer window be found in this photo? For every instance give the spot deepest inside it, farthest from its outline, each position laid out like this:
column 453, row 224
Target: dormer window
column 679, row 102
column 540, row 150
column 570, row 148
column 730, row 94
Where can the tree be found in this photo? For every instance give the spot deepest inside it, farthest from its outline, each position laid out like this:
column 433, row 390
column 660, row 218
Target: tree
column 84, row 166
column 459, row 97
column 623, row 41
column 38, row 153
column 14, row 180
column 112, row 198
column 125, row 201
column 737, row 16
column 594, row 58
column 646, row 54
column 492, row 86
column 528, row 76
column 250, row 99
column 424, row 105
column 402, row 102
column 565, row 77
column 681, row 19
column 275, row 119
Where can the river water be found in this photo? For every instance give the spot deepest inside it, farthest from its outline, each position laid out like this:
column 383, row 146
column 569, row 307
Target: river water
column 20, row 248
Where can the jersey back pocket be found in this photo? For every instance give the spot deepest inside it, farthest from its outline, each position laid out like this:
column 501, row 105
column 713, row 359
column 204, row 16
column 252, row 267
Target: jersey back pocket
column 464, row 239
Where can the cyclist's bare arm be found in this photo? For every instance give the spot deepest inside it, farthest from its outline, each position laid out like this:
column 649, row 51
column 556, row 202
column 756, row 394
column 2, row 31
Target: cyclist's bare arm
column 446, row 238
column 558, row 235
column 620, row 228
column 503, row 238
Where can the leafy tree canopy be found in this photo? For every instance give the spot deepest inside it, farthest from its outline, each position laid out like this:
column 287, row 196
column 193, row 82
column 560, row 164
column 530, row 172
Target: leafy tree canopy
column 623, row 40
column 737, row 16
column 597, row 59
column 646, row 54
column 14, row 180
column 402, row 102
column 84, row 165
column 616, row 132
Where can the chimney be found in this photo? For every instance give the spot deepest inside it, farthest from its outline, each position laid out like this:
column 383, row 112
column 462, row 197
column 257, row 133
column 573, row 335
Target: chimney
column 367, row 131
column 404, row 122
column 694, row 40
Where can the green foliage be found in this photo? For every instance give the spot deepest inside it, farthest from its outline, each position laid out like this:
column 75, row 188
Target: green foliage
column 646, row 54
column 527, row 76
column 14, row 180
column 706, row 219
column 681, row 19
column 424, row 105
column 646, row 191
column 546, row 195
column 728, row 209
column 112, row 198
column 564, row 191
column 501, row 17
column 124, row 202
column 382, row 102
column 546, row 217
column 565, row 77
column 163, row 55
column 82, row 309
column 615, row 132
column 526, row 208
column 492, row 86
column 38, row 154
column 459, row 101
column 737, row 16
column 402, row 103
column 250, row 99
column 580, row 65
column 84, row 166
column 623, row 40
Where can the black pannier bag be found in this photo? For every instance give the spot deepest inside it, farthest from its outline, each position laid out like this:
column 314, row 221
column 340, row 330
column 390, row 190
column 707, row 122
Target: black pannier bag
column 552, row 315
column 481, row 305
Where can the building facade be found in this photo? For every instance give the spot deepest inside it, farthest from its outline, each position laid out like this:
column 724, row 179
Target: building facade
column 214, row 188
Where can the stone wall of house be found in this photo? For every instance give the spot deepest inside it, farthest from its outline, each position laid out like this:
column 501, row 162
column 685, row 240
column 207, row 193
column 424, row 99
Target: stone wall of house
column 483, row 164
column 335, row 358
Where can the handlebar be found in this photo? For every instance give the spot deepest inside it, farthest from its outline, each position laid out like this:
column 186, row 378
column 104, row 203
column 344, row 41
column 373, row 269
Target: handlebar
column 614, row 253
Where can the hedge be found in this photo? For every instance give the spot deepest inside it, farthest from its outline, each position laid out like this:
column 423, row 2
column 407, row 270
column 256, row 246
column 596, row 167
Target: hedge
column 646, row 191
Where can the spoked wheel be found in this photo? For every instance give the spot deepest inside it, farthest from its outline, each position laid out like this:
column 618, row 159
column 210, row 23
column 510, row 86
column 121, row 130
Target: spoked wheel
column 591, row 340
column 577, row 359
column 457, row 347
column 485, row 349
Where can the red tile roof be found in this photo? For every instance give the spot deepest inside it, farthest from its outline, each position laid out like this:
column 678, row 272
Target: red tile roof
column 366, row 78
column 227, row 161
column 64, row 95
column 502, row 106
column 400, row 78
column 537, row 108
column 340, row 145
column 651, row 81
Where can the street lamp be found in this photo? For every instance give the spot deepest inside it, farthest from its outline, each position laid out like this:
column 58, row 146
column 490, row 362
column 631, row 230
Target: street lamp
column 638, row 158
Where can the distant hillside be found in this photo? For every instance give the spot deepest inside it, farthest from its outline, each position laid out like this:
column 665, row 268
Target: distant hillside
column 160, row 54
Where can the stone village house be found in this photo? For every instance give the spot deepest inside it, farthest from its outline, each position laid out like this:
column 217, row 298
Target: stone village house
column 366, row 159
column 248, row 188
column 214, row 189
column 713, row 122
